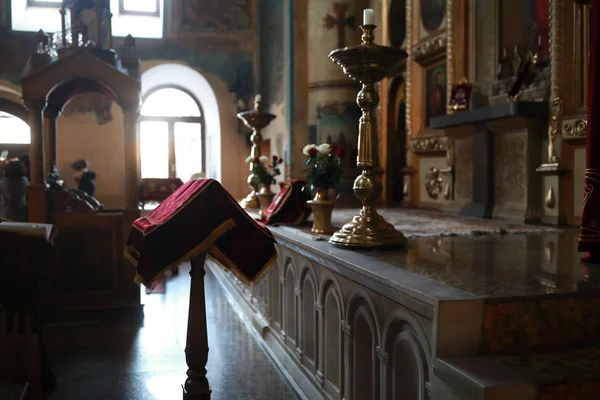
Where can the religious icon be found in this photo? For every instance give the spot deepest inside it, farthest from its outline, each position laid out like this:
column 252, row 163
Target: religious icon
column 432, row 13
column 216, row 15
column 461, row 95
column 435, row 92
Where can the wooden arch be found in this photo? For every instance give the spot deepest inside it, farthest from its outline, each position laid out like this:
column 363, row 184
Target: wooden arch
column 46, row 90
column 16, row 109
column 50, row 80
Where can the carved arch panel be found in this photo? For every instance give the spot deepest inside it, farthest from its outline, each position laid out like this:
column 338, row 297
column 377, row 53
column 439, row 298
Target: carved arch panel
column 362, row 357
column 408, row 365
column 307, row 312
column 275, row 309
column 289, row 311
column 330, row 332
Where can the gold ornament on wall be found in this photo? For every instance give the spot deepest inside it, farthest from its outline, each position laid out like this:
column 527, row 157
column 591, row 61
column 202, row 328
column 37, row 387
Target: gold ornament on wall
column 575, row 129
column 434, row 183
column 550, row 201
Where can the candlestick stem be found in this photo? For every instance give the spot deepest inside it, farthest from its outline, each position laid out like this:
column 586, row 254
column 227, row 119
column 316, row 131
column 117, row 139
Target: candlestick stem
column 256, row 120
column 368, row 63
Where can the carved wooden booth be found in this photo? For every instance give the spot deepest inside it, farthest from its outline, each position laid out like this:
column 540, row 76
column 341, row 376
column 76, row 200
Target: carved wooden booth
column 90, row 271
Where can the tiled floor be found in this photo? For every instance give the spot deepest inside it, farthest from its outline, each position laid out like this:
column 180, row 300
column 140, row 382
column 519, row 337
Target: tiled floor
column 125, row 361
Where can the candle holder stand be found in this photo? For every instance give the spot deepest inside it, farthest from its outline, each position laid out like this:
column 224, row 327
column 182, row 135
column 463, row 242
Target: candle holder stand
column 256, row 120
column 368, row 63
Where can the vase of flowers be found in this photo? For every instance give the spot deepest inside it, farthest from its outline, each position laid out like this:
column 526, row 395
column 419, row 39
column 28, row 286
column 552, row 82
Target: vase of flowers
column 264, row 175
column 323, row 173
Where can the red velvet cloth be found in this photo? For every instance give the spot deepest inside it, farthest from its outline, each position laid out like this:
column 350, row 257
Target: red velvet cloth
column 199, row 217
column 288, row 206
column 589, row 236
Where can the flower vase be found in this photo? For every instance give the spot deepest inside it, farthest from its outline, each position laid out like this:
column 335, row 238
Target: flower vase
column 322, row 206
column 265, row 197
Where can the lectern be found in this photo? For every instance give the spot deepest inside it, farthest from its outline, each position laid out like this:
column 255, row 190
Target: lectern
column 199, row 220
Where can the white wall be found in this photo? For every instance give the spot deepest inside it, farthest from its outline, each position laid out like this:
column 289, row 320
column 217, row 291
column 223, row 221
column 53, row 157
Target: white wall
column 185, row 77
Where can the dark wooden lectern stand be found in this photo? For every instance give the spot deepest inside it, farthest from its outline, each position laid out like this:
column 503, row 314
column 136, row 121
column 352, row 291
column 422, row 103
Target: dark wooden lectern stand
column 196, row 385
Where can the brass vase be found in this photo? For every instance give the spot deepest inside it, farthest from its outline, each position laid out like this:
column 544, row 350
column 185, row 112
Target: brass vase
column 368, row 63
column 265, row 198
column 256, row 120
column 322, row 206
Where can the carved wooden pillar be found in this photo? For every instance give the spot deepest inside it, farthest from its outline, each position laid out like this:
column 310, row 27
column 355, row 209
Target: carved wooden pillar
column 63, row 27
column 132, row 159
column 50, row 115
column 196, row 385
column 37, row 187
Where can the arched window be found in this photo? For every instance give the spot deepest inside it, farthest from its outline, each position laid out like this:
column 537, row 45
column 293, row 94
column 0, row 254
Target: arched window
column 13, row 130
column 171, row 135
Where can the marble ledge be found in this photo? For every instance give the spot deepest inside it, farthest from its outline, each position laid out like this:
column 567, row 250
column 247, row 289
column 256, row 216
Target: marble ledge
column 434, row 269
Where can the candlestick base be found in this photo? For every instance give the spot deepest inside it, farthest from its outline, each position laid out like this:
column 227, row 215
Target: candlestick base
column 250, row 202
column 368, row 229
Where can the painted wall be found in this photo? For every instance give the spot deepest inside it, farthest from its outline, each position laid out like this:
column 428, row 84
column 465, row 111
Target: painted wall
column 218, row 42
column 80, row 136
column 271, row 68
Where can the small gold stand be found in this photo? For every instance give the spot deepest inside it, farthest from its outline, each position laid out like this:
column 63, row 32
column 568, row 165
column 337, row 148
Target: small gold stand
column 368, row 63
column 256, row 120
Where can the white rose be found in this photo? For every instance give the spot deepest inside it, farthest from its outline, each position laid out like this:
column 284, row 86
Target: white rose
column 249, row 159
column 324, row 148
column 263, row 159
column 307, row 148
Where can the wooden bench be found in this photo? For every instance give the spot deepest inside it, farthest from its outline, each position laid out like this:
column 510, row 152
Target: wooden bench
column 154, row 189
column 13, row 391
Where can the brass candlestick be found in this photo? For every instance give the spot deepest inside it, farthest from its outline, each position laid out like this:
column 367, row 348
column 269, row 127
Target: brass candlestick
column 368, row 63
column 256, row 120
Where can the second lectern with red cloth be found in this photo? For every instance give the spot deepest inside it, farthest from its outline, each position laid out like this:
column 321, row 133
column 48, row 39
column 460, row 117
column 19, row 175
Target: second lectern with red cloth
column 199, row 219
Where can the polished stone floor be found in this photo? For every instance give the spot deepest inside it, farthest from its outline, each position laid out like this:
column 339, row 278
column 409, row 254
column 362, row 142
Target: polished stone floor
column 102, row 360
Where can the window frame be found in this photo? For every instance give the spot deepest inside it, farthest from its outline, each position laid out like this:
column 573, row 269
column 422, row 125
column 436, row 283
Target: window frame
column 45, row 4
column 171, row 121
column 123, row 11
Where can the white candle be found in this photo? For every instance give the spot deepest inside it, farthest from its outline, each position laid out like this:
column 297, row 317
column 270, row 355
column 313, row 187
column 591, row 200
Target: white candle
column 368, row 16
column 258, row 98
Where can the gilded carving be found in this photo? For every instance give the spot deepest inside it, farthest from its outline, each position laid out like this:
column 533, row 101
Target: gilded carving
column 574, row 129
column 550, row 201
column 434, row 182
column 408, row 66
column 449, row 51
column 510, row 167
column 556, row 49
column 432, row 144
column 429, row 50
column 553, row 130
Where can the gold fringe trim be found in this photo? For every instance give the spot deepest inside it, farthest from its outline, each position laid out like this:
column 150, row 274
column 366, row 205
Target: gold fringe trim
column 225, row 263
column 132, row 255
column 181, row 207
column 201, row 248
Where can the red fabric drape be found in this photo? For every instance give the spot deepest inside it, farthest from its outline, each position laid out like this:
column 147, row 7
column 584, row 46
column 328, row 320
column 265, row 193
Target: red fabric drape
column 289, row 206
column 589, row 236
column 199, row 217
column 542, row 20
